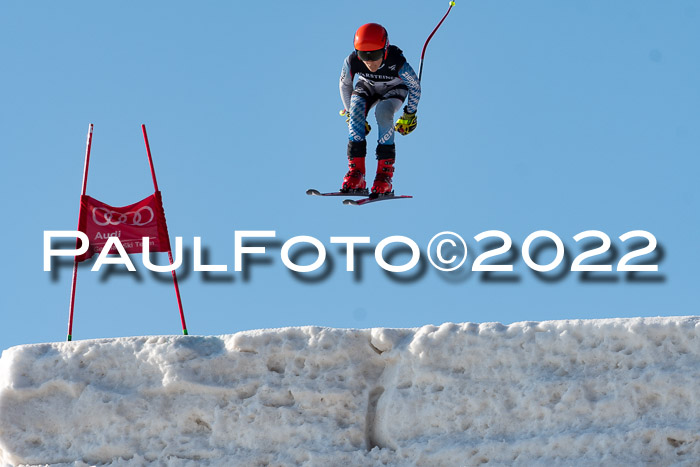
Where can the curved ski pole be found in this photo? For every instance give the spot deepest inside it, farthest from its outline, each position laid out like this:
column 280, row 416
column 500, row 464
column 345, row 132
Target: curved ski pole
column 425, row 46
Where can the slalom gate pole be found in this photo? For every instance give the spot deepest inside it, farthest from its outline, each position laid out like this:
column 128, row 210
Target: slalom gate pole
column 170, row 253
column 422, row 55
column 75, row 261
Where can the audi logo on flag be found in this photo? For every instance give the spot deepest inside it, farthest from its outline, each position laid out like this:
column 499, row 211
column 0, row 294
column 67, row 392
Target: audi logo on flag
column 102, row 216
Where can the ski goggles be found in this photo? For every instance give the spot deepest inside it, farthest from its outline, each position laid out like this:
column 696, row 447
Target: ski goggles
column 372, row 56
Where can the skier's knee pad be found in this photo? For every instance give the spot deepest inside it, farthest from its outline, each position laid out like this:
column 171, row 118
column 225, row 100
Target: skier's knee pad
column 385, row 115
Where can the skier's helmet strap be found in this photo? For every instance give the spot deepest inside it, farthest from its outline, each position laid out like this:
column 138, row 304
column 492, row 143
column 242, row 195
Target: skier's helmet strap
column 371, row 42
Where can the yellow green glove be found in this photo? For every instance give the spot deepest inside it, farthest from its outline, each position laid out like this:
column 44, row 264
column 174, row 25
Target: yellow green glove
column 407, row 123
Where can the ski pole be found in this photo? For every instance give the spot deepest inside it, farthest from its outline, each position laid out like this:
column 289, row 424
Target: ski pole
column 422, row 55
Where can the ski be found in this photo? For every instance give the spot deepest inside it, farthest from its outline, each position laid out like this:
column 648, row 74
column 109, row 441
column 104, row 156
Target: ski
column 314, row 192
column 363, row 201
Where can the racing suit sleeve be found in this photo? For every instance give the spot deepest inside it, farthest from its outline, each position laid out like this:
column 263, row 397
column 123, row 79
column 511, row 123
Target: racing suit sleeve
column 346, row 79
column 410, row 79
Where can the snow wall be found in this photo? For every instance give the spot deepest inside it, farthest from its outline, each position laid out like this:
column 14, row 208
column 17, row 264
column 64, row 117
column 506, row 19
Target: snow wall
column 598, row 392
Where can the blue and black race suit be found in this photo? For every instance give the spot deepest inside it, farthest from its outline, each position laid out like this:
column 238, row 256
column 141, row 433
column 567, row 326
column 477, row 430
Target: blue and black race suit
column 387, row 88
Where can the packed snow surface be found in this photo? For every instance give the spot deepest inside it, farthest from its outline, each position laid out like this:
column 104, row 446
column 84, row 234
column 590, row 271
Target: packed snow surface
column 598, row 392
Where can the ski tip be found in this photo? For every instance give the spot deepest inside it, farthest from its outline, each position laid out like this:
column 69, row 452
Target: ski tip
column 313, row 192
column 350, row 202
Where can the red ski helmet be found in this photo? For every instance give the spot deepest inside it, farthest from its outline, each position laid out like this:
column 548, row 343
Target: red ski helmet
column 371, row 42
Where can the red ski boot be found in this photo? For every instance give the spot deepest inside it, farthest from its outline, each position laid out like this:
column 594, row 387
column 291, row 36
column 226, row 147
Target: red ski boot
column 382, row 182
column 354, row 181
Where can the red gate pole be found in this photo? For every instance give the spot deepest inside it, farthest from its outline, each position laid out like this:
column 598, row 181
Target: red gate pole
column 425, row 46
column 170, row 253
column 75, row 261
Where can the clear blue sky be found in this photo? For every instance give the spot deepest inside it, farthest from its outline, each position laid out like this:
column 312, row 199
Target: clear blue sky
column 536, row 115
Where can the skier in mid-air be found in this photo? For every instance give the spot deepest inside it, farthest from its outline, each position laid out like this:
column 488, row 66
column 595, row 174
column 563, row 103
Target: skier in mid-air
column 385, row 79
